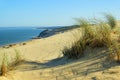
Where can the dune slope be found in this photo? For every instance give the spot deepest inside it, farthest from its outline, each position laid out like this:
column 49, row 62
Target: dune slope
column 44, row 61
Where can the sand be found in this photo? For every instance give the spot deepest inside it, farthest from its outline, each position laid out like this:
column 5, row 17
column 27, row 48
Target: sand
column 43, row 60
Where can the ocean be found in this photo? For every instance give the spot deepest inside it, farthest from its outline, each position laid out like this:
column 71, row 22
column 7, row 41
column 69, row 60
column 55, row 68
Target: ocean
column 10, row 35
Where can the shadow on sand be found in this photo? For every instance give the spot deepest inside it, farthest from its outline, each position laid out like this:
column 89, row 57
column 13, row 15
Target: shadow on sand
column 85, row 65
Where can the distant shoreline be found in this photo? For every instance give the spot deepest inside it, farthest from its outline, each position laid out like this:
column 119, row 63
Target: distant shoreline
column 11, row 36
column 43, row 34
column 13, row 44
column 52, row 31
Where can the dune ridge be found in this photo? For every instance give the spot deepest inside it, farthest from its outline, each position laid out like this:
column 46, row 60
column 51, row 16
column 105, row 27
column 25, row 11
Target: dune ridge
column 43, row 60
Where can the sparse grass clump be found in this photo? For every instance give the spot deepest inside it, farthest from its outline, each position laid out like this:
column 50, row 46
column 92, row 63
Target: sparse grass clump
column 16, row 61
column 18, row 57
column 4, row 66
column 97, row 35
column 101, row 37
column 111, row 20
column 83, row 22
column 78, row 47
column 87, row 30
column 11, row 65
column 88, row 34
column 114, row 51
column 76, row 51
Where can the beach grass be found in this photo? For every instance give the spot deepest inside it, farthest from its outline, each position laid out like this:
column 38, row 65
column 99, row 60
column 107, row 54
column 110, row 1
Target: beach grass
column 95, row 36
column 111, row 20
column 114, row 51
column 18, row 59
column 76, row 51
column 4, row 66
column 101, row 37
column 8, row 65
column 86, row 40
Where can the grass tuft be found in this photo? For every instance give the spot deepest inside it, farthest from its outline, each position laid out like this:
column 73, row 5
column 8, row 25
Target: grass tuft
column 95, row 34
column 101, row 37
column 4, row 66
column 82, row 22
column 11, row 65
column 114, row 51
column 16, row 61
column 111, row 20
column 76, row 51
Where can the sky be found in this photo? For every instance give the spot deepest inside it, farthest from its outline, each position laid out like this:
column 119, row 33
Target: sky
column 53, row 12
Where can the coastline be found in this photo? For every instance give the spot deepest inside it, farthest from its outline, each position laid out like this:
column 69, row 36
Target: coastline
column 23, row 42
column 43, row 60
column 14, row 44
column 43, row 34
column 28, row 47
column 17, row 35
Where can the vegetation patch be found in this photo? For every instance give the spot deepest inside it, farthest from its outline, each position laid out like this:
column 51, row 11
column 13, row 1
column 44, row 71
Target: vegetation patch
column 7, row 66
column 76, row 51
column 94, row 36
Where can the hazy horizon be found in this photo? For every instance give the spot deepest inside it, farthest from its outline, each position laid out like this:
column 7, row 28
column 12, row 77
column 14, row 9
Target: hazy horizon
column 16, row 13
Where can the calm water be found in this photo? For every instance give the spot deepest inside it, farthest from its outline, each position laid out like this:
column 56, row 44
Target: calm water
column 15, row 35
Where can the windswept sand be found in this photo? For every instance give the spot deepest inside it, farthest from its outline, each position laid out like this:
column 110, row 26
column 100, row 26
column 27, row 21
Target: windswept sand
column 44, row 61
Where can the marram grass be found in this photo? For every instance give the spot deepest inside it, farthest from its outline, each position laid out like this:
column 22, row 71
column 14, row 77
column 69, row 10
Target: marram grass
column 7, row 66
column 111, row 20
column 94, row 36
column 4, row 66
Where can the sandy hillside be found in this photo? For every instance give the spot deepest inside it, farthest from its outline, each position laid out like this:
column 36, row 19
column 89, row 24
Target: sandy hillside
column 44, row 61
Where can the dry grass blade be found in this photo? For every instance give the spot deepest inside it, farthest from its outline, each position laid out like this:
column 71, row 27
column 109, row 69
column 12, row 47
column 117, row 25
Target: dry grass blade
column 16, row 61
column 114, row 51
column 94, row 35
column 102, row 36
column 4, row 66
column 111, row 20
column 76, row 51
column 82, row 22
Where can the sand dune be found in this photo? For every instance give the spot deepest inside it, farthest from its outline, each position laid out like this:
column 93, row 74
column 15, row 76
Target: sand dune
column 44, row 61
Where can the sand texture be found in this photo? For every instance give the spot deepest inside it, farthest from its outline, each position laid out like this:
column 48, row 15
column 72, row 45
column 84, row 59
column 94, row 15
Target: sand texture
column 43, row 61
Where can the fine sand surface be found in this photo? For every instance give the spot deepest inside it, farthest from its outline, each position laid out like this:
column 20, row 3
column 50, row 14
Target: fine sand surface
column 43, row 61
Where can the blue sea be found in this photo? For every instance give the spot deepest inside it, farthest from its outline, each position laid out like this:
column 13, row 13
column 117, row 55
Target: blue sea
column 10, row 35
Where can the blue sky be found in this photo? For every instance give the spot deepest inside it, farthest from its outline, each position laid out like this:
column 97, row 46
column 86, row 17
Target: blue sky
column 53, row 12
